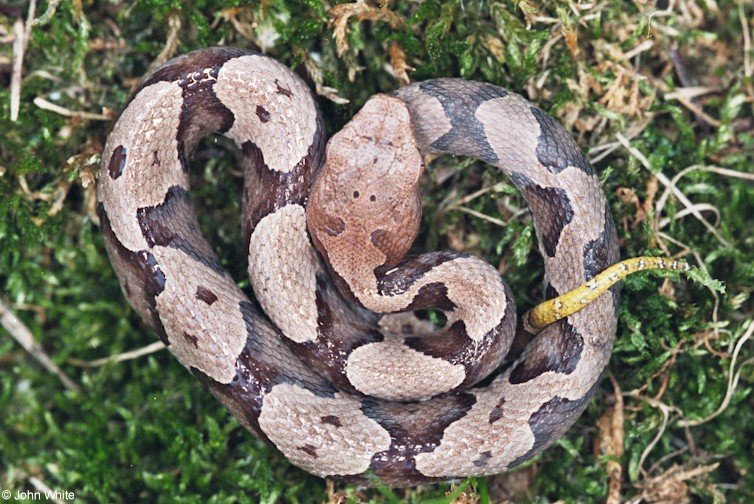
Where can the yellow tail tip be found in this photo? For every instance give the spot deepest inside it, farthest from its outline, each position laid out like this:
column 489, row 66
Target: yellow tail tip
column 579, row 298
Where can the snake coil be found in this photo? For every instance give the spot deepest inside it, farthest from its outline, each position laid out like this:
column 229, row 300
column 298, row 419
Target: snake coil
column 339, row 375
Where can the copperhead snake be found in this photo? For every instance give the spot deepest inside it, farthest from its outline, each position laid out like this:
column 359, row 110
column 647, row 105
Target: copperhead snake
column 329, row 365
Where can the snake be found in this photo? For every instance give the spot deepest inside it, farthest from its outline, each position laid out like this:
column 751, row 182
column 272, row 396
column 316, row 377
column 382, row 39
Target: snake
column 328, row 362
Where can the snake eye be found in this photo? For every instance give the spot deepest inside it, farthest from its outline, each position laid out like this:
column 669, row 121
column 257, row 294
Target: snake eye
column 356, row 194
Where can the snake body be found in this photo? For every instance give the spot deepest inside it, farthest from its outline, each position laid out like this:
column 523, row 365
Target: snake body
column 339, row 375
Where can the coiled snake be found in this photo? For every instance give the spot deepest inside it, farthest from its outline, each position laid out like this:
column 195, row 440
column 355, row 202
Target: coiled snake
column 342, row 390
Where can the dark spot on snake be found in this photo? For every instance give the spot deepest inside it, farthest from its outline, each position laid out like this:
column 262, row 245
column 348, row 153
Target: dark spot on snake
column 414, row 428
column 497, row 412
column 117, row 162
column 262, row 114
column 205, row 295
column 154, row 220
column 331, row 420
column 558, row 351
column 309, row 450
column 191, row 339
column 407, row 329
column 282, row 89
column 356, row 194
column 484, row 457
column 555, row 148
column 333, row 226
column 450, row 344
column 155, row 158
column 551, row 421
column 550, row 207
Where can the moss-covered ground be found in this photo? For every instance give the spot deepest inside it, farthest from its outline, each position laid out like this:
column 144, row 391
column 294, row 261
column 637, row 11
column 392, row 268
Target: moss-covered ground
column 660, row 95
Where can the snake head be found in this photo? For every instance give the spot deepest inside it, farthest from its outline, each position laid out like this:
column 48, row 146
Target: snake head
column 367, row 192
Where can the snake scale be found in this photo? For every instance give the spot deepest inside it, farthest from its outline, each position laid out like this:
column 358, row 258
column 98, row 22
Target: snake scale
column 339, row 375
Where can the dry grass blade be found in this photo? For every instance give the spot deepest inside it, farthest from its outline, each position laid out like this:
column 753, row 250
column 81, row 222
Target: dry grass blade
column 610, row 443
column 482, row 216
column 690, row 92
column 18, row 58
column 25, row 338
column 45, row 490
column 171, row 43
column 22, row 33
column 698, row 207
column 665, row 410
column 725, row 172
column 133, row 354
column 676, row 192
column 52, row 7
column 46, row 105
column 732, row 379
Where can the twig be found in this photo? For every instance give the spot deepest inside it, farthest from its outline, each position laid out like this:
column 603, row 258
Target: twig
column 44, row 489
column 667, row 183
column 471, row 197
column 22, row 33
column 611, row 441
column 700, row 114
column 726, row 172
column 748, row 67
column 607, row 148
column 24, row 337
column 15, row 80
column 133, row 354
column 52, row 7
column 171, row 44
column 732, row 380
column 665, row 410
column 690, row 92
column 700, row 207
column 482, row 216
column 46, row 105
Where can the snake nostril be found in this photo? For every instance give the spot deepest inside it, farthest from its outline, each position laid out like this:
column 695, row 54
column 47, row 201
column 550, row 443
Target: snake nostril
column 373, row 198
